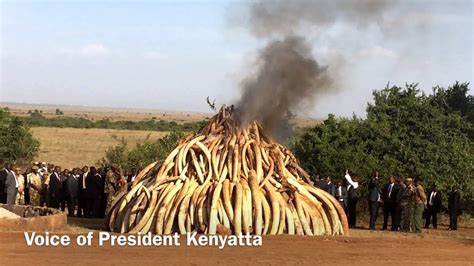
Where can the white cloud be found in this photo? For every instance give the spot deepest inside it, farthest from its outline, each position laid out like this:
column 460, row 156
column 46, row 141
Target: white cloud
column 377, row 51
column 94, row 49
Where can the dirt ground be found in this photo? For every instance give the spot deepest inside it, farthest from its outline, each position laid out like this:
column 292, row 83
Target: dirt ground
column 363, row 247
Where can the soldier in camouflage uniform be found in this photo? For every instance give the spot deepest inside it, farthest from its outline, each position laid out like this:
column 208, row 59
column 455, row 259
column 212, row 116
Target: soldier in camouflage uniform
column 114, row 183
column 408, row 205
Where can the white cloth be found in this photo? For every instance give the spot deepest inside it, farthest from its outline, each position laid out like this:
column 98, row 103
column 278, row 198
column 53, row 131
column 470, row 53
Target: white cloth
column 351, row 182
column 84, row 176
column 16, row 180
column 433, row 194
column 339, row 191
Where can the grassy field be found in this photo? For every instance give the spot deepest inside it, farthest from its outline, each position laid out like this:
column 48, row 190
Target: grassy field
column 71, row 147
column 118, row 114
column 113, row 114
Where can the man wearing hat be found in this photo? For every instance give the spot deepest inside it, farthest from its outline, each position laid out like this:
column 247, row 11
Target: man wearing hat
column 408, row 204
column 35, row 186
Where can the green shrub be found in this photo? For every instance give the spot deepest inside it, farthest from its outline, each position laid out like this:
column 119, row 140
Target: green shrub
column 36, row 119
column 143, row 153
column 16, row 141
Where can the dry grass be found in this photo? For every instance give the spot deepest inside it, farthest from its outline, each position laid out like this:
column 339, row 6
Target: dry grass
column 122, row 114
column 113, row 114
column 71, row 147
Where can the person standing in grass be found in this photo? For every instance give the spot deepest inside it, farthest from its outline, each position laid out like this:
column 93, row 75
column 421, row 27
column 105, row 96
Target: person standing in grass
column 420, row 203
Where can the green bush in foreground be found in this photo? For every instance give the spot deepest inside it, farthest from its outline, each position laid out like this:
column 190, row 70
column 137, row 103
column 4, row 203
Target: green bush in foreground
column 17, row 144
column 143, row 153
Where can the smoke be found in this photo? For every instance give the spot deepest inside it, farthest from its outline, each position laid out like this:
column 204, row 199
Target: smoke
column 287, row 75
column 286, row 17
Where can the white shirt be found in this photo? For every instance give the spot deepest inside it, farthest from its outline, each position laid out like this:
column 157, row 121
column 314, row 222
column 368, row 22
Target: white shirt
column 351, row 182
column 16, row 179
column 84, row 176
column 433, row 194
column 390, row 187
column 57, row 176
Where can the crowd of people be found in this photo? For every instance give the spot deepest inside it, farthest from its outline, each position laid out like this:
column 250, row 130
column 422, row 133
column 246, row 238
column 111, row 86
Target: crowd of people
column 84, row 192
column 404, row 201
column 88, row 192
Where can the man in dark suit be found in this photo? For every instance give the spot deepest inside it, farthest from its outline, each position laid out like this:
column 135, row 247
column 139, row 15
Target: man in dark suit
column 352, row 197
column 341, row 195
column 132, row 175
column 26, row 187
column 3, row 178
column 374, row 200
column 330, row 188
column 94, row 193
column 433, row 207
column 321, row 183
column 454, row 208
column 55, row 188
column 81, row 202
column 63, row 193
column 72, row 188
column 398, row 214
column 389, row 197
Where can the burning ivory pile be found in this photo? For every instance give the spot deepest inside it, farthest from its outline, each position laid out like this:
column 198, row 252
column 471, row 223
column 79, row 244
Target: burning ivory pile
column 227, row 176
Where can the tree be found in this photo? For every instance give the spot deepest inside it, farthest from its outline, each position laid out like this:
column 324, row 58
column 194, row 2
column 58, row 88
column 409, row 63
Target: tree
column 59, row 112
column 16, row 141
column 406, row 133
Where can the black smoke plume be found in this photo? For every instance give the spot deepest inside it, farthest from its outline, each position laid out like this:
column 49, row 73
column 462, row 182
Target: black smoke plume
column 287, row 76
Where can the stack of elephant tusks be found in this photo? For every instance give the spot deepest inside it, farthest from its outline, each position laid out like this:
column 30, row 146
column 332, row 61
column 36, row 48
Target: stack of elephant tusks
column 229, row 175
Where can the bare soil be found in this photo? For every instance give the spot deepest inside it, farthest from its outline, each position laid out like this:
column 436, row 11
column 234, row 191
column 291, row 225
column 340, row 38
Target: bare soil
column 363, row 247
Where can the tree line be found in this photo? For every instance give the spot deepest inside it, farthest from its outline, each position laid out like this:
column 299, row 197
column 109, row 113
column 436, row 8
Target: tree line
column 406, row 133
column 37, row 119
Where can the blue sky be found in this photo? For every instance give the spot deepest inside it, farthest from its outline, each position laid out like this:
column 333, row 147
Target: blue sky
column 171, row 55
